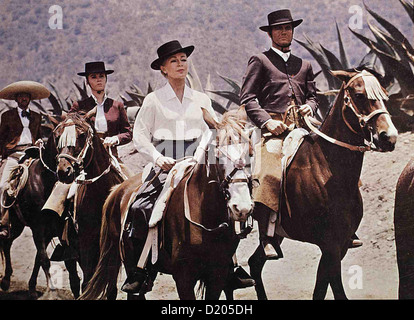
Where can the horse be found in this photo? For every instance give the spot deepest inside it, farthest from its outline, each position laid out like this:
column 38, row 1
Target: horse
column 197, row 246
column 25, row 209
column 404, row 230
column 82, row 159
column 321, row 203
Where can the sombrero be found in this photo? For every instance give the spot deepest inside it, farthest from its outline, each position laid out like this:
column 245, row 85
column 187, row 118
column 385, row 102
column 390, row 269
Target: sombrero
column 36, row 90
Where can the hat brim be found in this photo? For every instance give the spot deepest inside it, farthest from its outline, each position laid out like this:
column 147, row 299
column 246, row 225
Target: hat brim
column 85, row 74
column 156, row 64
column 294, row 23
column 36, row 90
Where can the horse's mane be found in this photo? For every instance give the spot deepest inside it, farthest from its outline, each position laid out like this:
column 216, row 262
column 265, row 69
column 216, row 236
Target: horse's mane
column 231, row 128
column 67, row 131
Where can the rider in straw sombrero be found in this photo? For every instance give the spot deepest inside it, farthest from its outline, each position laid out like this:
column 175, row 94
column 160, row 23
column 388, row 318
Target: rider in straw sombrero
column 19, row 129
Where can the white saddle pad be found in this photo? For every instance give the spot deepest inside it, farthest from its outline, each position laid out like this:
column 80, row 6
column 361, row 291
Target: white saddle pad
column 174, row 177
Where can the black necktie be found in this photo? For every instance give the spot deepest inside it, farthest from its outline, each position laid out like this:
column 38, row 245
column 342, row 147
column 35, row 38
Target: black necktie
column 26, row 114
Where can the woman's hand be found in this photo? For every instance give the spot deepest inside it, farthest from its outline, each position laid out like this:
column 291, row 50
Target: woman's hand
column 111, row 141
column 165, row 163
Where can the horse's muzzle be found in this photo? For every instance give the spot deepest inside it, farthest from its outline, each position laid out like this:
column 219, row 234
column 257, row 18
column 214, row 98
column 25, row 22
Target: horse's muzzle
column 386, row 142
column 65, row 172
column 241, row 212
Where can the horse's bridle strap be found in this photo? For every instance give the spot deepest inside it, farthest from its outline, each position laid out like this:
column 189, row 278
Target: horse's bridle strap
column 335, row 141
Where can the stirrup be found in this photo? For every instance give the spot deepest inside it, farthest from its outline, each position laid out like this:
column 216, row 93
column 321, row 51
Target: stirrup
column 137, row 283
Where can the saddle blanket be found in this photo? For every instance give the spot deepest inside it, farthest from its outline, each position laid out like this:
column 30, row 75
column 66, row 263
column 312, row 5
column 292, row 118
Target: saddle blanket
column 290, row 147
column 174, row 177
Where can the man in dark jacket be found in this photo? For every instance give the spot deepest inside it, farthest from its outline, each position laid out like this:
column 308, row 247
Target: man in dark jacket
column 275, row 80
column 19, row 129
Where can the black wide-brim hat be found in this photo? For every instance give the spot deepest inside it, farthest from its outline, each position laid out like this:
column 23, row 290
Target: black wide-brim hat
column 167, row 50
column 95, row 67
column 279, row 17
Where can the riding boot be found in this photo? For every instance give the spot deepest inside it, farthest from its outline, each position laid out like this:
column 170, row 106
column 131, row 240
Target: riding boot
column 5, row 226
column 270, row 246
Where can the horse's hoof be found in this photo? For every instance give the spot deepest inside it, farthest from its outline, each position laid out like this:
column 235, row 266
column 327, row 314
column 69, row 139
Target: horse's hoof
column 5, row 284
column 240, row 279
column 33, row 294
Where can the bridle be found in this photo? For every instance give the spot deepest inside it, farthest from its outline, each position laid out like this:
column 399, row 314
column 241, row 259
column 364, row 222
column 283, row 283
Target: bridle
column 79, row 163
column 349, row 103
column 239, row 165
column 224, row 184
column 363, row 120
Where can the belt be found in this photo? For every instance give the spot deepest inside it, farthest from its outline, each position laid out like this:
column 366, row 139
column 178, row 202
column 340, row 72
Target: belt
column 20, row 147
column 157, row 141
column 280, row 116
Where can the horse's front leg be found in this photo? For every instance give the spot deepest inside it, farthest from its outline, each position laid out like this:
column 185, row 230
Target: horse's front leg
column 5, row 282
column 74, row 279
column 41, row 260
column 217, row 280
column 185, row 284
column 256, row 264
column 329, row 272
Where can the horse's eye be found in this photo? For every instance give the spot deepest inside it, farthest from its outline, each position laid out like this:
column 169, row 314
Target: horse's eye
column 360, row 97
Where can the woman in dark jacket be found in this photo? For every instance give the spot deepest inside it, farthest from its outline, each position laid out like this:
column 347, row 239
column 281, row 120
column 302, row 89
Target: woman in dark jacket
column 110, row 118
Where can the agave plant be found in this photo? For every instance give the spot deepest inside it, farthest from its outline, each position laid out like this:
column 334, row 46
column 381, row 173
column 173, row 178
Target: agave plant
column 396, row 54
column 134, row 102
column 328, row 61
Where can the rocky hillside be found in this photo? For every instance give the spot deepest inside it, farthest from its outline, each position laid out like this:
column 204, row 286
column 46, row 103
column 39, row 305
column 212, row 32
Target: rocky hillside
column 126, row 34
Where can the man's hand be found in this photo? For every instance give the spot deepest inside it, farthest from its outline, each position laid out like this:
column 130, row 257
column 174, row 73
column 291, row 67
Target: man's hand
column 305, row 110
column 276, row 127
column 165, row 163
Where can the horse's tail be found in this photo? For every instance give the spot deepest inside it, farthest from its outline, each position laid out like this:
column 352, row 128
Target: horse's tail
column 104, row 280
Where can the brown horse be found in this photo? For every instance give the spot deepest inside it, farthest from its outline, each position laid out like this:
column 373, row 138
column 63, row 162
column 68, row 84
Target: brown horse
column 195, row 247
column 404, row 230
column 322, row 180
column 83, row 159
column 25, row 209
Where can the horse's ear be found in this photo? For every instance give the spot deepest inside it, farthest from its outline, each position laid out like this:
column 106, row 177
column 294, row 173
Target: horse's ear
column 241, row 113
column 343, row 74
column 208, row 118
column 90, row 114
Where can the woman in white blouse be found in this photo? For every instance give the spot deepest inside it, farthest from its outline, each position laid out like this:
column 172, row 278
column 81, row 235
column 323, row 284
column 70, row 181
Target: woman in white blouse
column 170, row 119
column 169, row 126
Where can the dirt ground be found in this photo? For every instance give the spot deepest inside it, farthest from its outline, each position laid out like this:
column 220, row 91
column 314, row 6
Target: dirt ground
column 368, row 272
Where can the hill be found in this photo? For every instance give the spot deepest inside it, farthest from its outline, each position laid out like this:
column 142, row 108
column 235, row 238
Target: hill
column 126, row 34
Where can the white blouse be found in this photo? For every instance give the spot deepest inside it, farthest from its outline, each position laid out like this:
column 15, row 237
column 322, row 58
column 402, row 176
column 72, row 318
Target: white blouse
column 163, row 117
column 100, row 121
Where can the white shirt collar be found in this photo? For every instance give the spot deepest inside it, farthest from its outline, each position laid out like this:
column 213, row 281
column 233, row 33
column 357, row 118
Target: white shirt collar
column 168, row 92
column 96, row 100
column 285, row 55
